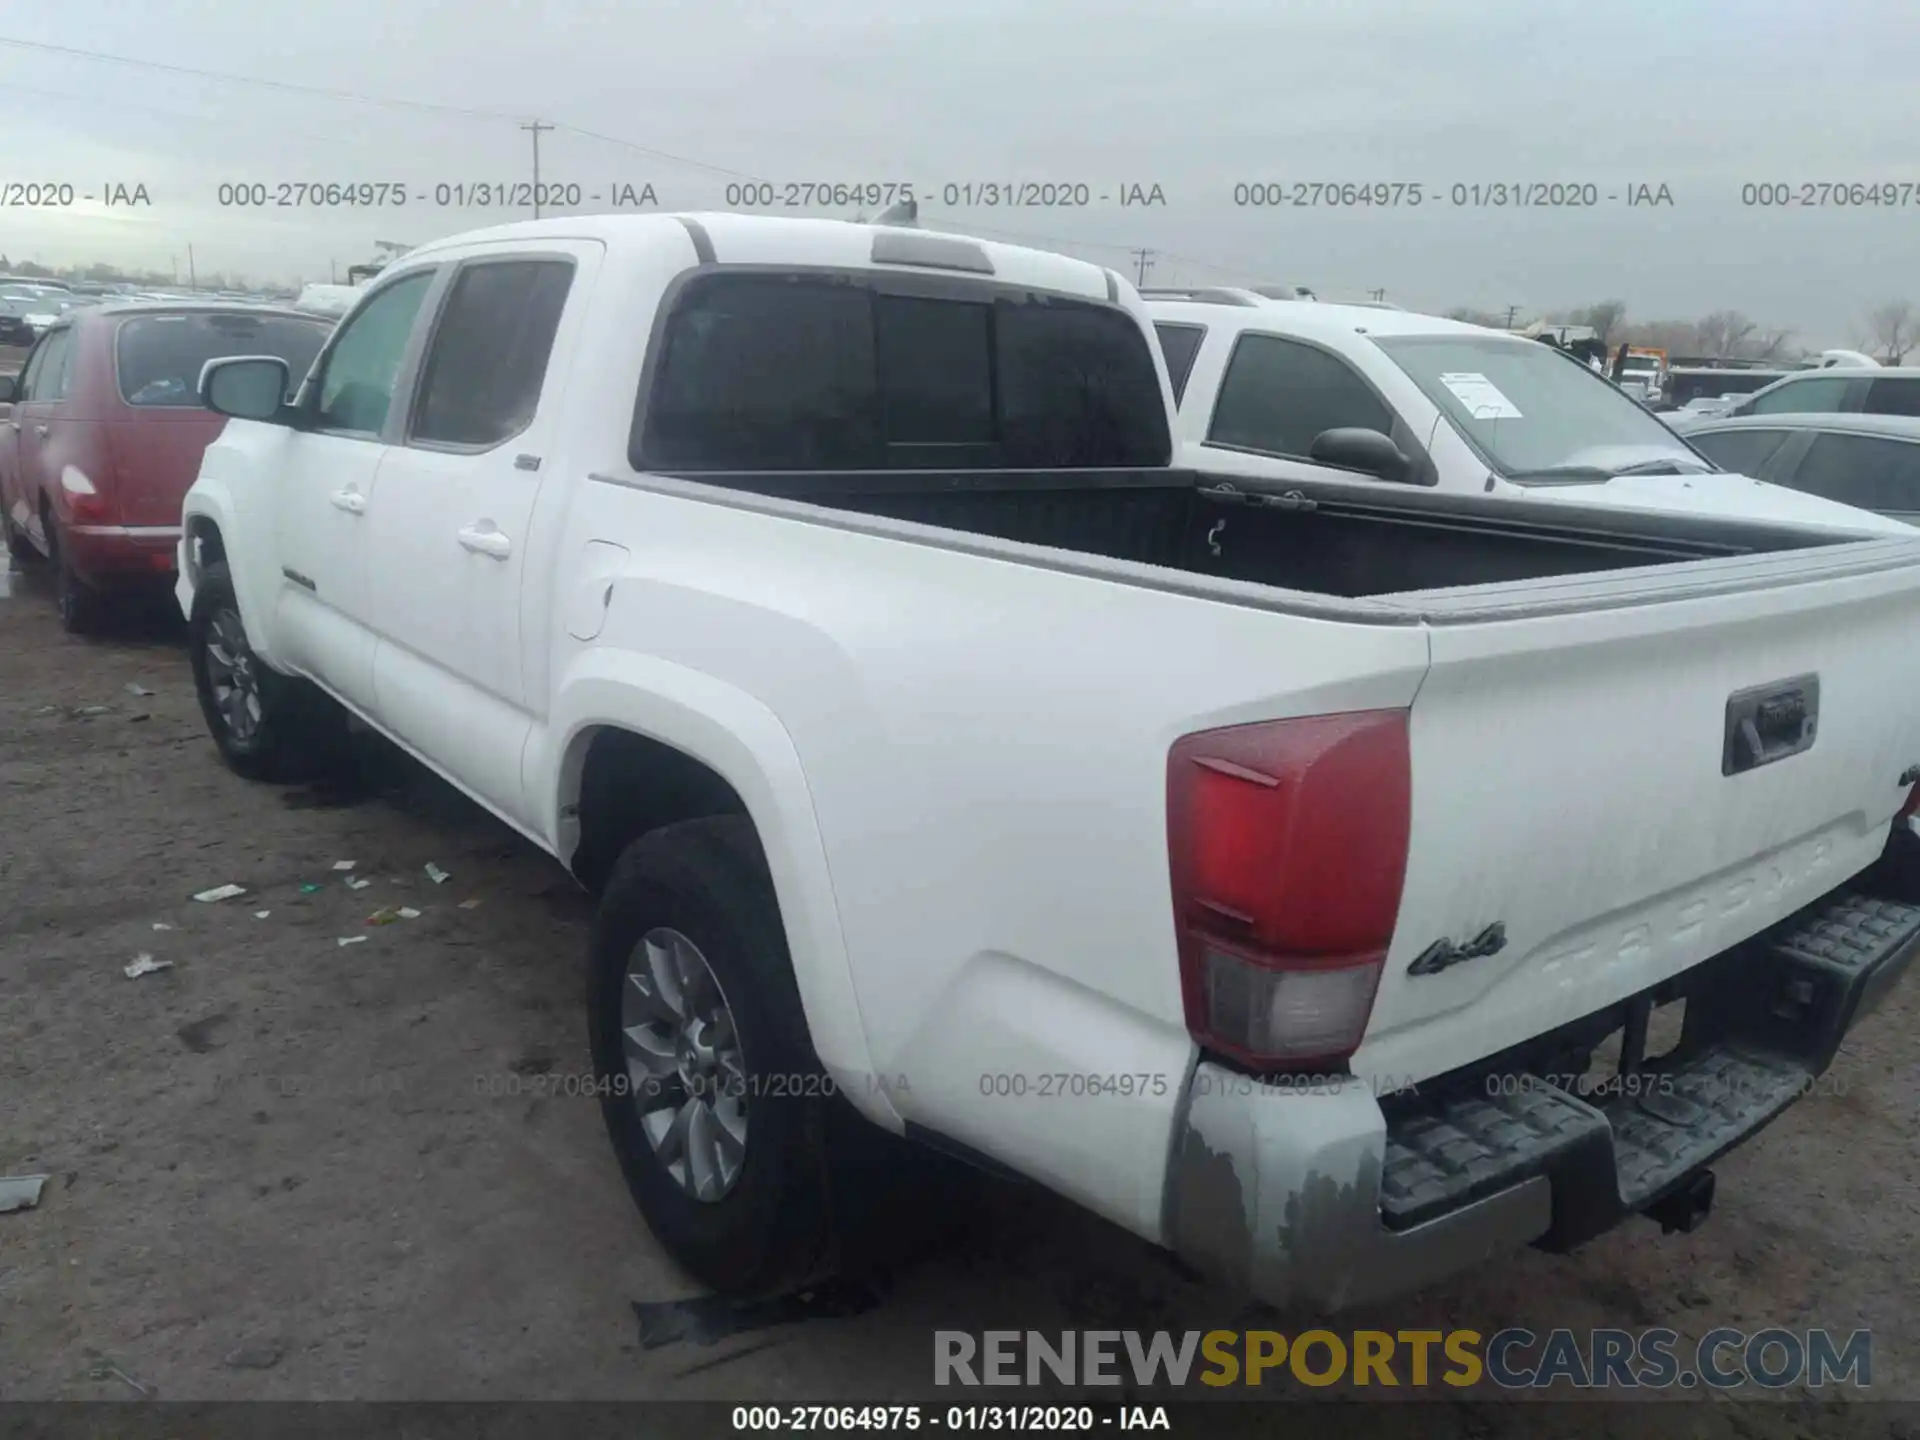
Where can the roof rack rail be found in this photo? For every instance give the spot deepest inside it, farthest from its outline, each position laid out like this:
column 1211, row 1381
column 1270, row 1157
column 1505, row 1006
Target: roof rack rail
column 1204, row 295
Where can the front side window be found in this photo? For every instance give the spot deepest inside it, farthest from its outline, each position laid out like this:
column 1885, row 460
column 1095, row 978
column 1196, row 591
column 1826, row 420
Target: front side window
column 160, row 357
column 1533, row 414
column 490, row 349
column 46, row 377
column 778, row 372
column 356, row 387
column 1822, row 395
column 1740, row 452
column 1278, row 395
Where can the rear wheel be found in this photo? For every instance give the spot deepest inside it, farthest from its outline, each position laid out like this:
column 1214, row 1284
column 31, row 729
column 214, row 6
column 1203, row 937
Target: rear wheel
column 79, row 604
column 268, row 726
column 712, row 1096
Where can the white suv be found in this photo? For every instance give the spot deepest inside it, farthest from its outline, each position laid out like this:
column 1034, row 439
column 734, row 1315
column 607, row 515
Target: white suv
column 1345, row 393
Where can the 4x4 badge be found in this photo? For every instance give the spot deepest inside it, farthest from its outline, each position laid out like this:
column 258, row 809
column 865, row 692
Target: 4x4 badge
column 1443, row 954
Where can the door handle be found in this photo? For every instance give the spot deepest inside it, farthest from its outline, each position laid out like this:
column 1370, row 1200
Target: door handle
column 489, row 541
column 351, row 501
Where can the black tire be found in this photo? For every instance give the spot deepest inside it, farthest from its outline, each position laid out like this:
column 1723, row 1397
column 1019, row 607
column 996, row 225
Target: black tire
column 298, row 730
column 18, row 545
column 80, row 606
column 708, row 880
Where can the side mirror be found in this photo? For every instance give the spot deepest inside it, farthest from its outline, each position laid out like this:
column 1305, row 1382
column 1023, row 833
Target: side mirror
column 1368, row 451
column 246, row 387
column 9, row 389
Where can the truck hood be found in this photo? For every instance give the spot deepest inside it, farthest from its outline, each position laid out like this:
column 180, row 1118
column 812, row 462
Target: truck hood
column 1738, row 497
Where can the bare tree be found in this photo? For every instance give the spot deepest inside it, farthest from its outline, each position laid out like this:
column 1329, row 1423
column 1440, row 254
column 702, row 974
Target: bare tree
column 1893, row 330
column 1724, row 332
column 1769, row 345
column 1603, row 319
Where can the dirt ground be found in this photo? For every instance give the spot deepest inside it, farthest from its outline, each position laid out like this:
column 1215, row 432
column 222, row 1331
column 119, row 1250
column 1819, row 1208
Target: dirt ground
column 287, row 1169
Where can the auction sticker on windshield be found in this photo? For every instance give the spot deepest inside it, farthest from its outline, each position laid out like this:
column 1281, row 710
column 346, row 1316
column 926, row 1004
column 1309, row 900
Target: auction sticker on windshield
column 1484, row 399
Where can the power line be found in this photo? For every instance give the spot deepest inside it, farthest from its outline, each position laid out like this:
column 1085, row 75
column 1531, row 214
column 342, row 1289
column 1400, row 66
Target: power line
column 1142, row 262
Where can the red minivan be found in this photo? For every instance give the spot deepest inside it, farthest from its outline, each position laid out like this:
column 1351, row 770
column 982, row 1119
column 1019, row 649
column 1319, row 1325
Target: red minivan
column 106, row 430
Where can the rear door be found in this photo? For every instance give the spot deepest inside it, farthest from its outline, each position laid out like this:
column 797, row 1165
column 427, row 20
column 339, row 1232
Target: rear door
column 451, row 528
column 1582, row 780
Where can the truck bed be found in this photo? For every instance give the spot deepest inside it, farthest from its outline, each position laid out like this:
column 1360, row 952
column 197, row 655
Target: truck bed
column 1295, row 537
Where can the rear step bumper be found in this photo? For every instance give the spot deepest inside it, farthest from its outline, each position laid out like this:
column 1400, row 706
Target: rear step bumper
column 1330, row 1197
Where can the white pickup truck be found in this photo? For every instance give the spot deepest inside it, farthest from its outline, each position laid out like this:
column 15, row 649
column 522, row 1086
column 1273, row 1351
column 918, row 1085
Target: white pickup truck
column 1250, row 863
column 1368, row 396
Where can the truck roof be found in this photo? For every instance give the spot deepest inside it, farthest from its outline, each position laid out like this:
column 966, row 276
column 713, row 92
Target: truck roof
column 775, row 239
column 1320, row 318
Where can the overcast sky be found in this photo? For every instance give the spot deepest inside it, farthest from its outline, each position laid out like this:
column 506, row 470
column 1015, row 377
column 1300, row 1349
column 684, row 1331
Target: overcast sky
column 1699, row 95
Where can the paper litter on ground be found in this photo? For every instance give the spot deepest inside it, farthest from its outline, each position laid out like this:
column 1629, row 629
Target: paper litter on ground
column 436, row 874
column 407, row 912
column 221, row 892
column 20, row 1192
column 355, row 884
column 145, row 964
column 346, row 940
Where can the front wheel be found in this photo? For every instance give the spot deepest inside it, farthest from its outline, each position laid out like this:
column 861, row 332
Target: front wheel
column 18, row 545
column 267, row 726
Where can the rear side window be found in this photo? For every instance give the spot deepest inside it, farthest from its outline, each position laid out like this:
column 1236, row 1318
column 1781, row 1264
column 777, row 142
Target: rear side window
column 490, row 350
column 774, row 372
column 1869, row 471
column 1278, row 395
column 1898, row 396
column 160, row 356
column 1743, row 452
column 1179, row 343
column 1822, row 395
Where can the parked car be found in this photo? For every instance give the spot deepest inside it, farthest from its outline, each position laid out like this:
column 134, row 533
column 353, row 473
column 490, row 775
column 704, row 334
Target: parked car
column 106, row 432
column 1234, row 857
column 14, row 329
column 1839, row 389
column 1376, row 398
column 1869, row 461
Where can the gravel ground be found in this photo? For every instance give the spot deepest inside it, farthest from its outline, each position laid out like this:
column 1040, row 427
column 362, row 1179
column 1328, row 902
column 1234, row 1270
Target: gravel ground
column 287, row 1169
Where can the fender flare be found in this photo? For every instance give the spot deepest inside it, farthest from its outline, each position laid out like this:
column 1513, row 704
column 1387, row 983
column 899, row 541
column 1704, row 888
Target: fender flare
column 736, row 736
column 209, row 503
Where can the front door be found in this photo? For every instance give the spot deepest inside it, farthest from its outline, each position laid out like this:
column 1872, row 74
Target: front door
column 452, row 530
column 326, row 488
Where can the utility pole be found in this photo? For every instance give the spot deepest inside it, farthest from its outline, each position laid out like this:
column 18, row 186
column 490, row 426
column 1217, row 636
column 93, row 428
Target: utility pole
column 333, row 272
column 1512, row 310
column 1142, row 262
column 1380, row 294
column 533, row 128
column 193, row 279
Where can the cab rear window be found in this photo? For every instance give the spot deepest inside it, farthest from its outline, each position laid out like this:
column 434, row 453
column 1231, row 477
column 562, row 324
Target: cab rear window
column 787, row 372
column 159, row 357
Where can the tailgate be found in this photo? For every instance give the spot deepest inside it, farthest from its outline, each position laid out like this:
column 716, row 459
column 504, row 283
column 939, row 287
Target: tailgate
column 1570, row 784
column 156, row 459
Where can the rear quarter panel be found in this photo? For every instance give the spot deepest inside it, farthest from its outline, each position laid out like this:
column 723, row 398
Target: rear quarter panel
column 984, row 748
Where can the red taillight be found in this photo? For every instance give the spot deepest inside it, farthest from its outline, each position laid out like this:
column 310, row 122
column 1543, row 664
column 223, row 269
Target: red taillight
column 1288, row 843
column 91, row 509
